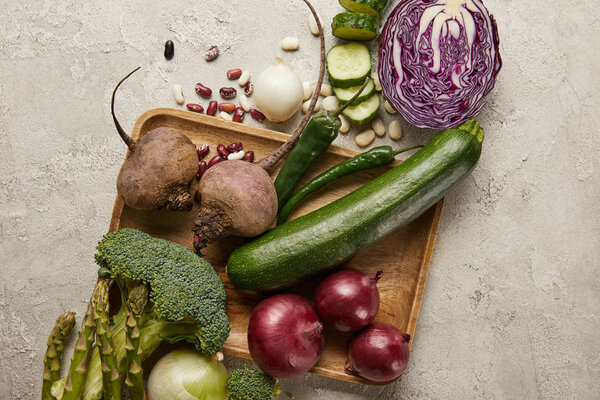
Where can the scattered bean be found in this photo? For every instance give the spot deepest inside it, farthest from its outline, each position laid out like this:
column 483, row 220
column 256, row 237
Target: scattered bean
column 365, row 138
column 178, row 94
column 234, row 147
column 169, row 49
column 257, row 115
column 202, row 151
column 345, row 124
column 378, row 127
column 195, row 107
column 326, row 90
column 202, row 167
column 312, row 25
column 244, row 78
column 307, row 90
column 395, row 130
column 238, row 155
column 248, row 156
column 290, row 43
column 228, row 92
column 211, row 53
column 212, row 108
column 388, row 107
column 306, row 104
column 375, row 77
column 227, row 107
column 234, row 73
column 225, row 116
column 203, row 90
column 245, row 103
column 215, row 160
column 222, row 150
column 330, row 103
column 249, row 89
column 238, row 115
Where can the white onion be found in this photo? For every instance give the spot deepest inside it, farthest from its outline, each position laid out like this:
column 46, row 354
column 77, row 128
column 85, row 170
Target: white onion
column 185, row 374
column 278, row 92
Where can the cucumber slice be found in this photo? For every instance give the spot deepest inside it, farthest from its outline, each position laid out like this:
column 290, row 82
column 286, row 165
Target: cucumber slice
column 353, row 26
column 348, row 64
column 373, row 7
column 363, row 112
column 345, row 94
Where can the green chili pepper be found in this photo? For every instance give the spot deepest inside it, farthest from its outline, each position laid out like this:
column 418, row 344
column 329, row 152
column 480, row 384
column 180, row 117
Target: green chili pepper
column 316, row 138
column 376, row 157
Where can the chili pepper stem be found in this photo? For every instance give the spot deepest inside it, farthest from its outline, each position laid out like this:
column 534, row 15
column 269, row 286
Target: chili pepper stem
column 349, row 102
column 396, row 152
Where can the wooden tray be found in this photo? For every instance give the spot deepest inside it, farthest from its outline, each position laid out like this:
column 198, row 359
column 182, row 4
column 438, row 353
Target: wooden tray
column 404, row 257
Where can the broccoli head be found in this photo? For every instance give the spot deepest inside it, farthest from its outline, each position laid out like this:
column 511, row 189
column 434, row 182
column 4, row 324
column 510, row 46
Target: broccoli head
column 248, row 384
column 183, row 285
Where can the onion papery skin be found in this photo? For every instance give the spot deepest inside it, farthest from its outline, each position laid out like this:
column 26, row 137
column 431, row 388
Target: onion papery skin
column 285, row 336
column 438, row 60
column 348, row 300
column 379, row 353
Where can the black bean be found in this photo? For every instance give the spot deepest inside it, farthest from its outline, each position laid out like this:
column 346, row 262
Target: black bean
column 169, row 49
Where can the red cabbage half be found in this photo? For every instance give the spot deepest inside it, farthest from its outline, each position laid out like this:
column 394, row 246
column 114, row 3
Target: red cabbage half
column 438, row 59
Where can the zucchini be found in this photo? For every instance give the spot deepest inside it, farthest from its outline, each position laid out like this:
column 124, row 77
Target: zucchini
column 330, row 235
column 348, row 64
column 363, row 112
column 353, row 26
column 345, row 94
column 373, row 7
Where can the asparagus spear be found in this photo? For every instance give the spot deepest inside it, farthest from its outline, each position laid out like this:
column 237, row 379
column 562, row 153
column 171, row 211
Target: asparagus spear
column 83, row 348
column 138, row 297
column 62, row 328
column 110, row 375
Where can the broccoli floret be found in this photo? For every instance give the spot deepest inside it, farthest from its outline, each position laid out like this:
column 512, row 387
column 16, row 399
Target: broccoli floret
column 183, row 285
column 248, row 384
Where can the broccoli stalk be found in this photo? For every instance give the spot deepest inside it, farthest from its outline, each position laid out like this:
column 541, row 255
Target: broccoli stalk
column 111, row 380
column 248, row 384
column 52, row 359
column 134, row 307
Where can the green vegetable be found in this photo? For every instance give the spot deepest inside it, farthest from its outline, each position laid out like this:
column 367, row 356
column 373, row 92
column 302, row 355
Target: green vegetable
column 328, row 236
column 52, row 359
column 363, row 112
column 111, row 380
column 345, row 94
column 247, row 384
column 348, row 64
column 138, row 297
column 376, row 157
column 352, row 26
column 183, row 284
column 373, row 7
column 321, row 130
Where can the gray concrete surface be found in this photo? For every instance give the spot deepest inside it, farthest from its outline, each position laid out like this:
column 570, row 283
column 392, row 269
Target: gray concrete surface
column 511, row 305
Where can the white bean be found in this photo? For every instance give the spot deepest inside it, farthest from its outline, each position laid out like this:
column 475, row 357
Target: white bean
column 238, row 155
column 244, row 78
column 345, row 124
column 290, row 43
column 388, row 107
column 312, row 25
column 307, row 90
column 378, row 127
column 225, row 116
column 306, row 104
column 376, row 81
column 395, row 130
column 365, row 138
column 330, row 103
column 245, row 103
column 326, row 90
column 178, row 94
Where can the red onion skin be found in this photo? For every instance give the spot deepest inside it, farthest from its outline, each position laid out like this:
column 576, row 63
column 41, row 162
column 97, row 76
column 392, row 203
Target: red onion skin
column 379, row 353
column 348, row 300
column 285, row 336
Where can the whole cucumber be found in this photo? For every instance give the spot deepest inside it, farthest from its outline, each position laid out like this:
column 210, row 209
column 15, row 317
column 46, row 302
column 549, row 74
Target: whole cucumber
column 329, row 235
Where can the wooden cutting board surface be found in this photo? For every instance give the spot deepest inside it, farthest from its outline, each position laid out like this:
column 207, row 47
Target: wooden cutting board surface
column 404, row 257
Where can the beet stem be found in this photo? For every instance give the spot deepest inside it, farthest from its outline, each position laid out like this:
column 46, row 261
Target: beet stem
column 269, row 162
column 126, row 138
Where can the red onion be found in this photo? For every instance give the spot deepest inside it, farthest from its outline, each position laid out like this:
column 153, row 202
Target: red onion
column 348, row 300
column 285, row 335
column 379, row 353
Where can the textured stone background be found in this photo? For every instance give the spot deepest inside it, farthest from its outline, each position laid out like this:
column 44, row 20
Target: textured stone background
column 511, row 304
